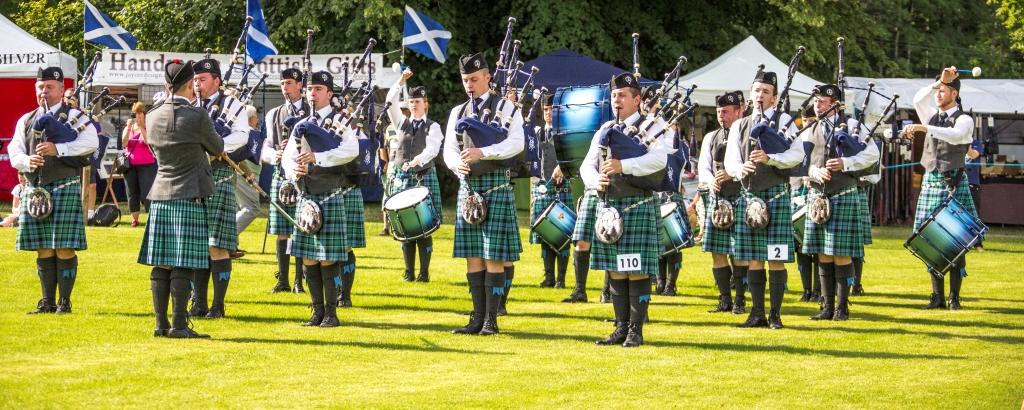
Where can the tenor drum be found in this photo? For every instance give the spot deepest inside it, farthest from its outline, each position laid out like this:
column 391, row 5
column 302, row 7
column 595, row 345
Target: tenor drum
column 674, row 229
column 555, row 225
column 799, row 219
column 411, row 214
column 578, row 113
column 946, row 236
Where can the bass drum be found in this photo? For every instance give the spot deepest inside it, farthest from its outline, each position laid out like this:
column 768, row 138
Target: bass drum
column 578, row 113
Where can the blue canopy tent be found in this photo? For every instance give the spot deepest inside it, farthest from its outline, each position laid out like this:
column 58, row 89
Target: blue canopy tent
column 564, row 68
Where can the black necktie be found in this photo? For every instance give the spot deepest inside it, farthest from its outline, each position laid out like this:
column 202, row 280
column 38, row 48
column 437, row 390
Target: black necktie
column 477, row 101
column 206, row 101
column 942, row 119
column 416, row 125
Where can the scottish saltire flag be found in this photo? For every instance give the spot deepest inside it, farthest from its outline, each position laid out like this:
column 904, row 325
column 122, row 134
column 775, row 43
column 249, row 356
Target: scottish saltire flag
column 101, row 29
column 425, row 36
column 257, row 40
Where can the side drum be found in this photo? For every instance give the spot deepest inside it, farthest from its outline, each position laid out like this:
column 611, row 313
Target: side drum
column 674, row 229
column 555, row 225
column 411, row 214
column 578, row 113
column 946, row 236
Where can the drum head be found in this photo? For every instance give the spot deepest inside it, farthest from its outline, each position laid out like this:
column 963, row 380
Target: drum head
column 668, row 208
column 800, row 213
column 406, row 198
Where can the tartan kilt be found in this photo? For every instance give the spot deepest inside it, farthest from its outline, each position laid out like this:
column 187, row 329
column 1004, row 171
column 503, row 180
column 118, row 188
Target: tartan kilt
column 720, row 241
column 539, row 202
column 865, row 214
column 220, row 210
column 497, row 238
column 355, row 229
column 750, row 245
column 397, row 184
column 278, row 225
column 639, row 235
column 329, row 244
column 176, row 235
column 63, row 229
column 933, row 191
column 586, row 215
column 841, row 235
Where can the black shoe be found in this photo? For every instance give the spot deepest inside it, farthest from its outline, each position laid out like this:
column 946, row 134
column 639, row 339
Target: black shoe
column 297, row 287
column 161, row 332
column 755, row 320
column 186, row 333
column 826, row 314
column 197, row 311
column 476, row 323
column 44, row 306
column 659, row 287
column 775, row 319
column 424, row 277
column 669, row 291
column 815, row 297
column 547, row 283
column 490, row 326
column 408, row 277
column 954, row 303
column 330, row 321
column 576, row 297
column 317, row 318
column 936, row 302
column 806, row 297
column 739, row 308
column 723, row 306
column 635, row 336
column 280, row 287
column 841, row 314
column 857, row 290
column 63, row 306
column 502, row 311
column 617, row 337
column 215, row 312
column 344, row 303
column 559, row 284
column 606, row 297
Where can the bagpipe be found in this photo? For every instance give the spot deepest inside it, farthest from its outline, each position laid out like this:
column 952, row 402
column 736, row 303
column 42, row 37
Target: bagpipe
column 534, row 152
column 767, row 134
column 359, row 115
column 288, row 191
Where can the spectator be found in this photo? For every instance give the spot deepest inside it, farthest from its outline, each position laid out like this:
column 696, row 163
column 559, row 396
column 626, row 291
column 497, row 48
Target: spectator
column 12, row 219
column 142, row 165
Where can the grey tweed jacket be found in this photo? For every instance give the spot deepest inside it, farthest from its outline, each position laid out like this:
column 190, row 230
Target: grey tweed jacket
column 182, row 141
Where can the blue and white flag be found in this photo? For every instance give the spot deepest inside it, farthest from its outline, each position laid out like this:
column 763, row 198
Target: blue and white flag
column 425, row 36
column 257, row 40
column 101, row 29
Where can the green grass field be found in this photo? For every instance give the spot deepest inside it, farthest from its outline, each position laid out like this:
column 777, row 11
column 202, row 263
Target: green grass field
column 394, row 349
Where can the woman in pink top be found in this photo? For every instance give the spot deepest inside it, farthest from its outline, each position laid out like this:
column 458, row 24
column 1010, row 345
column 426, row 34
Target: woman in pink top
column 142, row 169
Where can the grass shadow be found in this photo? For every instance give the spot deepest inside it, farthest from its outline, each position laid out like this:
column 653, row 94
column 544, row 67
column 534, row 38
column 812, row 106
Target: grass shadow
column 803, row 351
column 428, row 347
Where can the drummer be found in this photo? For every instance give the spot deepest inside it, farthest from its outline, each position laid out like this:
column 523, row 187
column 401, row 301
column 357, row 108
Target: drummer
column 948, row 137
column 411, row 154
column 837, row 240
column 716, row 184
column 550, row 187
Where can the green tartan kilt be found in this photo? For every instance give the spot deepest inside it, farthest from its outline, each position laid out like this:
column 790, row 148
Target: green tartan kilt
column 639, row 235
column 278, row 224
column 586, row 215
column 329, row 244
column 750, row 245
column 720, row 241
column 841, row 235
column 540, row 202
column 63, row 229
column 497, row 238
column 176, row 235
column 220, row 210
column 355, row 228
column 397, row 184
column 865, row 214
column 933, row 191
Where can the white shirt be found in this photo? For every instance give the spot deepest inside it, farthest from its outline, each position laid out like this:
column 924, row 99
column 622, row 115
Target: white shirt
column 705, row 163
column 267, row 155
column 86, row 143
column 790, row 158
column 434, row 136
column 962, row 131
column 869, row 156
column 510, row 147
column 233, row 109
column 653, row 161
column 340, row 155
